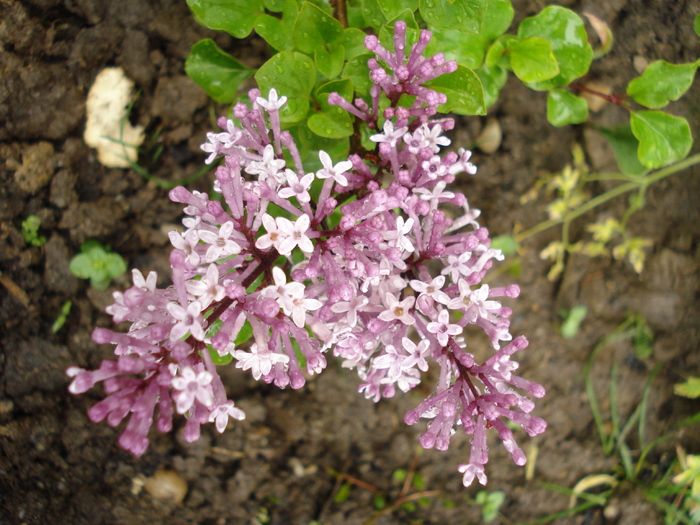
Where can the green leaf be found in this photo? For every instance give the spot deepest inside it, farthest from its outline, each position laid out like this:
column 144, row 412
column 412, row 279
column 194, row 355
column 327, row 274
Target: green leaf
column 310, row 144
column 236, row 18
column 463, row 15
column 293, row 75
column 330, row 61
column 62, row 317
column 343, row 493
column 244, row 335
column 215, row 71
column 565, row 108
column 391, row 8
column 570, row 326
column 354, row 43
column 356, row 70
column 625, row 146
column 217, row 359
column 496, row 55
column 532, row 60
column 663, row 138
column 279, row 32
column 466, row 49
column 661, row 83
column 506, row 243
column 465, row 95
column 314, row 29
column 691, row 388
column 696, row 25
column 492, row 80
column 497, row 19
column 373, row 15
column 565, row 32
column 332, row 122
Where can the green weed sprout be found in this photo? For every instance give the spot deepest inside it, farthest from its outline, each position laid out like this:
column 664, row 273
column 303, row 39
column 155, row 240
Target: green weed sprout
column 30, row 231
column 97, row 264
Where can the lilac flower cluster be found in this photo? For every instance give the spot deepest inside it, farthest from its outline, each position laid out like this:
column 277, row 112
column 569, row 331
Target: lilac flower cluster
column 374, row 270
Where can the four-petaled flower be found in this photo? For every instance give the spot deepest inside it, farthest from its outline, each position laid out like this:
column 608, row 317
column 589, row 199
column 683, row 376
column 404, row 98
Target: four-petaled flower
column 283, row 292
column 398, row 310
column 273, row 102
column 221, row 413
column 187, row 244
column 391, row 136
column 207, row 289
column 392, row 359
column 431, row 289
column 442, row 327
column 298, row 188
column 294, row 235
column 258, row 361
column 190, row 386
column 188, row 320
column 299, row 307
column 402, row 228
column 221, row 244
column 334, row 172
column 417, row 353
column 268, row 166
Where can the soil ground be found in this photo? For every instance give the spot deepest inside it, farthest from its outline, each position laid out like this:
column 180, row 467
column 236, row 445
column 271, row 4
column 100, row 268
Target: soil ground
column 277, row 467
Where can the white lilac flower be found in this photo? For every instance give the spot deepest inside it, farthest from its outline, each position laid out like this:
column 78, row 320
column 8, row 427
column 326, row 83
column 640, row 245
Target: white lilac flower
column 442, row 327
column 457, row 266
column 190, row 386
column 391, row 136
column 273, row 102
column 294, row 235
column 186, row 243
column 432, row 289
column 258, row 361
column 334, row 172
column 283, row 292
column 417, row 354
column 463, row 164
column 398, row 310
column 392, row 359
column 188, row 320
column 433, row 137
column 207, row 289
column 350, row 308
column 268, row 166
column 273, row 237
column 213, row 146
column 416, row 141
column 408, row 379
column 298, row 188
column 402, row 228
column 221, row 413
column 434, row 196
column 148, row 284
column 229, row 138
column 434, row 167
column 300, row 305
column 221, row 243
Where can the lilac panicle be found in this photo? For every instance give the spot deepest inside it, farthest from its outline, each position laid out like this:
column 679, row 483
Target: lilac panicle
column 389, row 287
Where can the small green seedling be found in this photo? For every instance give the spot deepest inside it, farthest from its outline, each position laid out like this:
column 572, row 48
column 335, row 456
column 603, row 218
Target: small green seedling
column 97, row 264
column 30, row 231
column 490, row 502
column 572, row 322
column 62, row 317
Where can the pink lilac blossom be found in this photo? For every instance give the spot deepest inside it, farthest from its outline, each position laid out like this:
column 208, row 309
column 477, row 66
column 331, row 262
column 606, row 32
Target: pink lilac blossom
column 373, row 289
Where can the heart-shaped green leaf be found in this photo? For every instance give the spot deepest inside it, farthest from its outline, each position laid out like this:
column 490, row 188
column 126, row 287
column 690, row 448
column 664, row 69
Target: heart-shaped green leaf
column 463, row 15
column 236, row 18
column 661, row 83
column 465, row 95
column 532, row 60
column 565, row 108
column 216, row 72
column 565, row 32
column 663, row 138
column 314, row 29
column 293, row 75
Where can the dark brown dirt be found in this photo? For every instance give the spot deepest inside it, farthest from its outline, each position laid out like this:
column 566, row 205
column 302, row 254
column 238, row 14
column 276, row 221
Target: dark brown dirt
column 58, row 467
